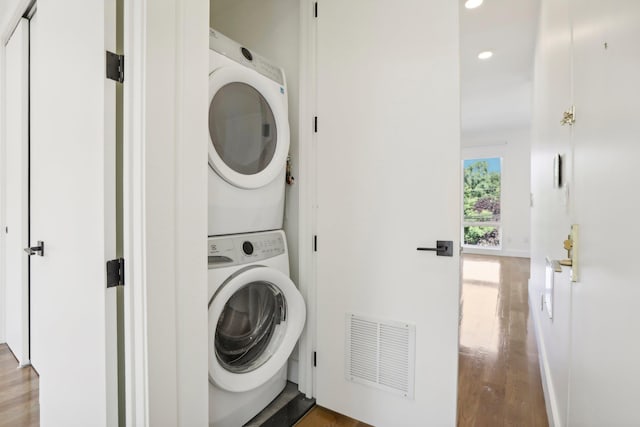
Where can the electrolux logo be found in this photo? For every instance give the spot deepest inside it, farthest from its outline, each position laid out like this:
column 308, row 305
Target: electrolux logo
column 282, row 90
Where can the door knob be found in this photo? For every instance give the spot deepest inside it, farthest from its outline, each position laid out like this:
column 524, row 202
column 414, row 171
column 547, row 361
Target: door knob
column 443, row 248
column 36, row 250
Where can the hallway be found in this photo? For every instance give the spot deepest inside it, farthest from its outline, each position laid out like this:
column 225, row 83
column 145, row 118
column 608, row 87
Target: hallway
column 499, row 376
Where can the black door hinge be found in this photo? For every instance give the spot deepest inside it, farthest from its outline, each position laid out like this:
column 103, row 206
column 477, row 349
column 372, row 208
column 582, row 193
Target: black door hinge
column 315, row 124
column 315, row 243
column 315, row 10
column 115, row 67
column 115, row 272
column 315, row 359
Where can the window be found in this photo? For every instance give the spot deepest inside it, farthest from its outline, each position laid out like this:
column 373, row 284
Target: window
column 481, row 226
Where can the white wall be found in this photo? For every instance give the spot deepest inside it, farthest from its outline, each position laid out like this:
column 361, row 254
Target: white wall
column 587, row 56
column 513, row 146
column 272, row 29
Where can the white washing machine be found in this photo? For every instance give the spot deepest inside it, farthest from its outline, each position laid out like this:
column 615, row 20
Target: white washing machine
column 248, row 139
column 256, row 315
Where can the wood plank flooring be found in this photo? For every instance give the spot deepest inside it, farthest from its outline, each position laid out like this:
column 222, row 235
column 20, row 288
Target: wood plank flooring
column 18, row 393
column 322, row 417
column 499, row 377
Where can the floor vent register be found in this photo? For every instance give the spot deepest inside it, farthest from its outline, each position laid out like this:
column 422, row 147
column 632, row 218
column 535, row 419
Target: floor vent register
column 381, row 354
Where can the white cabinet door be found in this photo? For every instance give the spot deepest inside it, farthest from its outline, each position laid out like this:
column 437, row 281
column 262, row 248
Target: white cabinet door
column 16, row 181
column 388, row 158
column 73, row 212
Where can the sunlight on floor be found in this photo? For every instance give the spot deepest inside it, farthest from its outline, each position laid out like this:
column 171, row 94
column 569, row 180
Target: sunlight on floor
column 481, row 271
column 479, row 328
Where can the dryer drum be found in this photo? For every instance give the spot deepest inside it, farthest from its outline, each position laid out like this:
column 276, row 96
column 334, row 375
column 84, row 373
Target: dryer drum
column 242, row 128
column 246, row 326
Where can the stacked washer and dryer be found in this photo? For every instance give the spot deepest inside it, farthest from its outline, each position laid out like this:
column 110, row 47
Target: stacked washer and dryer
column 256, row 313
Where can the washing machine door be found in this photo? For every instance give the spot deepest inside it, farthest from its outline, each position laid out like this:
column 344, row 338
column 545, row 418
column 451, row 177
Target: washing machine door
column 248, row 127
column 255, row 319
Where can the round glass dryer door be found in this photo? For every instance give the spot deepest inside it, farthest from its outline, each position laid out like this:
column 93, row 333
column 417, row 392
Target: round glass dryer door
column 248, row 127
column 255, row 319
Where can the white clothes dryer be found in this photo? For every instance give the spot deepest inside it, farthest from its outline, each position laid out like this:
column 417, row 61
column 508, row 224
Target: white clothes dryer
column 256, row 315
column 248, row 139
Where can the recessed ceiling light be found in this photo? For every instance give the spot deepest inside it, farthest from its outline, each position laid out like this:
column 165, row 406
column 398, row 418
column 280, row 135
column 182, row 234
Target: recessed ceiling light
column 472, row 4
column 485, row 55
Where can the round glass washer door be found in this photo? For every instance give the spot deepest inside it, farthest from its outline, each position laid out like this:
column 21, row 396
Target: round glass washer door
column 248, row 127
column 255, row 320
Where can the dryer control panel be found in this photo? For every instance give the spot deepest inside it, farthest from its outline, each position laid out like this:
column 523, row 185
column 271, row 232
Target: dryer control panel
column 242, row 55
column 244, row 249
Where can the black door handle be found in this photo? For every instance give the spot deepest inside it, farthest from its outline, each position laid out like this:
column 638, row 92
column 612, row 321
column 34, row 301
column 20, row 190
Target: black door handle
column 36, row 250
column 443, row 248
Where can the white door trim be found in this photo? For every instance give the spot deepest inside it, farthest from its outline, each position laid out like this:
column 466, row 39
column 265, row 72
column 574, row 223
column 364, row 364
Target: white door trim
column 165, row 211
column 307, row 195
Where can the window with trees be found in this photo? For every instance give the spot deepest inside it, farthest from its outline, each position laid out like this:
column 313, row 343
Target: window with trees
column 481, row 225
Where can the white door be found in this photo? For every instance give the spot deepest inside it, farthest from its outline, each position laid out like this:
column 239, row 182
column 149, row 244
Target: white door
column 16, row 181
column 388, row 182
column 72, row 210
column 605, row 373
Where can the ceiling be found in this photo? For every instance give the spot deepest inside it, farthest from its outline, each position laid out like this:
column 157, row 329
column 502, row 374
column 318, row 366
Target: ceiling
column 496, row 93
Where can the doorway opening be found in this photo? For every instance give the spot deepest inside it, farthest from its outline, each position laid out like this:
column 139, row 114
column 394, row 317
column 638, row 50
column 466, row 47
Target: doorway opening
column 498, row 361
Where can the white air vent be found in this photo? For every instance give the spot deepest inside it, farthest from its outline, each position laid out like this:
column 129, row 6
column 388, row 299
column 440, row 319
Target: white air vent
column 381, row 354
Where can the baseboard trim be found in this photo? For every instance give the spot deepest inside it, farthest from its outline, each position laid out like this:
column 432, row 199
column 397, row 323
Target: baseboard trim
column 545, row 375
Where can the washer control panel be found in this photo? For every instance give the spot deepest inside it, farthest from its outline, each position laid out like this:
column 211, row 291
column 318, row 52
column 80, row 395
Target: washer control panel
column 236, row 250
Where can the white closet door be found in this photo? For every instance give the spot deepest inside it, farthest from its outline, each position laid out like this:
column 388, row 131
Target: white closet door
column 16, row 181
column 388, row 182
column 73, row 212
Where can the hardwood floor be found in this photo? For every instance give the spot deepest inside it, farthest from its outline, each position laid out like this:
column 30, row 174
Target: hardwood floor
column 322, row 417
column 18, row 393
column 499, row 377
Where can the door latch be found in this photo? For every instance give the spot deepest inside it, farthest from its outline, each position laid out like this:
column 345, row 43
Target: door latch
column 36, row 250
column 443, row 248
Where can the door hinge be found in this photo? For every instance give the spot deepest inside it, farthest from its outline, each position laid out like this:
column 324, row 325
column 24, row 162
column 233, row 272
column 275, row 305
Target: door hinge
column 115, row 67
column 115, row 272
column 315, row 359
column 315, row 124
column 315, row 243
column 315, row 10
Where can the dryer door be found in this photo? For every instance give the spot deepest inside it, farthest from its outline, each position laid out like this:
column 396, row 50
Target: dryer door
column 248, row 127
column 255, row 320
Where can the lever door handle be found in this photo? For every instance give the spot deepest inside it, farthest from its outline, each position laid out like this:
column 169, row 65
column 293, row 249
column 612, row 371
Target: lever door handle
column 443, row 248
column 36, row 250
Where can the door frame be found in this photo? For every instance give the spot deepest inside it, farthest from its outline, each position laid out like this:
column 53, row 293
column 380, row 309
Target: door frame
column 307, row 194
column 165, row 211
column 165, row 338
column 24, row 9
